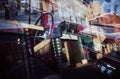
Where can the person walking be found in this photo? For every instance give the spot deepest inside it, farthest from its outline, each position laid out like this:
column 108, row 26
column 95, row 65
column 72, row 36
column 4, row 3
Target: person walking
column 13, row 9
column 7, row 6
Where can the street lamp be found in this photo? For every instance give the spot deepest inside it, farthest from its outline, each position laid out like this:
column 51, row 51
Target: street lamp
column 29, row 17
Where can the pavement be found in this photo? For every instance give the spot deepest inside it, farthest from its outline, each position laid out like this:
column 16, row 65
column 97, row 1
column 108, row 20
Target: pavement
column 85, row 71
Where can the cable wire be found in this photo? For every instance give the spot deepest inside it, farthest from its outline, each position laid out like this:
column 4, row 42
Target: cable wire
column 51, row 28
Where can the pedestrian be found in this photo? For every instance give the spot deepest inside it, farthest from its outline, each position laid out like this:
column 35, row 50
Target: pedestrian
column 13, row 9
column 7, row 6
column 33, row 6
